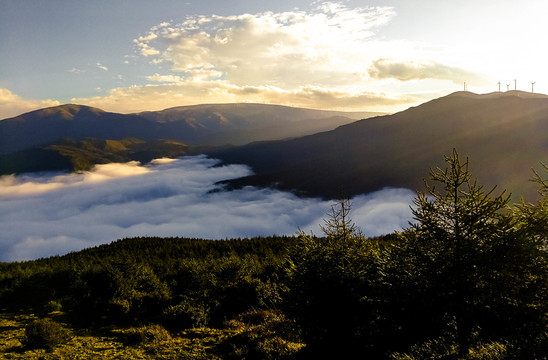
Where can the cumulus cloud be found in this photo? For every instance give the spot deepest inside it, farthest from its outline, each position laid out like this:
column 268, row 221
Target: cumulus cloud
column 420, row 70
column 45, row 215
column 175, row 93
column 326, row 58
column 282, row 49
column 13, row 105
column 313, row 59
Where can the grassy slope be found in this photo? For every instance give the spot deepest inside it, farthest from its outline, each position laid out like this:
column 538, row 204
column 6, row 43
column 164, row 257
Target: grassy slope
column 107, row 343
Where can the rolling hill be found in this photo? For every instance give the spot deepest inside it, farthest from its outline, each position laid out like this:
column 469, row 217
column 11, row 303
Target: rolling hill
column 503, row 134
column 200, row 125
column 72, row 155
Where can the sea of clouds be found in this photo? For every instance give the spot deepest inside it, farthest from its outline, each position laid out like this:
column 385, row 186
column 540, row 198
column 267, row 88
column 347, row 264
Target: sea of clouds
column 52, row 214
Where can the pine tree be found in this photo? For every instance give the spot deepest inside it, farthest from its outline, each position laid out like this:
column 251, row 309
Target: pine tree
column 464, row 260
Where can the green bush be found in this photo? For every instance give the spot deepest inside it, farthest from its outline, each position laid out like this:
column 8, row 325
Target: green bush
column 188, row 314
column 45, row 334
column 446, row 348
column 148, row 335
column 262, row 334
column 53, row 306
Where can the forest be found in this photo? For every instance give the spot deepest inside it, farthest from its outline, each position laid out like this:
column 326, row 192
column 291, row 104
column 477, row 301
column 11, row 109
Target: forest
column 468, row 279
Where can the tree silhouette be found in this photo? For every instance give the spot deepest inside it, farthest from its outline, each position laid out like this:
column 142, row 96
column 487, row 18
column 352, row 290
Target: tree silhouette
column 467, row 261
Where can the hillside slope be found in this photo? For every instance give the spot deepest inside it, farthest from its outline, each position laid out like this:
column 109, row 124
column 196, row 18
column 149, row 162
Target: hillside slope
column 71, row 155
column 199, row 125
column 503, row 134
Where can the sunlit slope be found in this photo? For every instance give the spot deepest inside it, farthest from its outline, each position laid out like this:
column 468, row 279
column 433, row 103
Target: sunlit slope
column 503, row 134
column 195, row 125
column 72, row 155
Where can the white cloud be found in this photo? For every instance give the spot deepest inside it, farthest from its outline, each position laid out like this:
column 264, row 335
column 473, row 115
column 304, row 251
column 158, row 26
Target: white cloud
column 328, row 58
column 170, row 79
column 420, row 70
column 165, row 198
column 75, row 70
column 30, row 184
column 176, row 92
column 101, row 66
column 13, row 105
column 289, row 49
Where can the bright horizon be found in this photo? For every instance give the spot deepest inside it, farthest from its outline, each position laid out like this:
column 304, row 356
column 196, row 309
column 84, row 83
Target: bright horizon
column 377, row 55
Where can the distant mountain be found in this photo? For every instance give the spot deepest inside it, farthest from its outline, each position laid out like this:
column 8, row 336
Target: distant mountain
column 199, row 125
column 243, row 123
column 503, row 134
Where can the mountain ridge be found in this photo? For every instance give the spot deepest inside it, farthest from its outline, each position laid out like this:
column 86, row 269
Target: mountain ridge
column 501, row 134
column 197, row 125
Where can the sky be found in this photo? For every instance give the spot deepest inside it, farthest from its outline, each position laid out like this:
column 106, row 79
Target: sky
column 51, row 214
column 367, row 55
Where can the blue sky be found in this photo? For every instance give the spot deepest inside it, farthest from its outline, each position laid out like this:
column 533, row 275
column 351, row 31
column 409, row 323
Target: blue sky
column 135, row 55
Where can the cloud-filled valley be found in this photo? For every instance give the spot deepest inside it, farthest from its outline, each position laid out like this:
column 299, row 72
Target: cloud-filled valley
column 49, row 214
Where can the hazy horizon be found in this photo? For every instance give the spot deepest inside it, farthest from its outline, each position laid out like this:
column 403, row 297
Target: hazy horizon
column 351, row 55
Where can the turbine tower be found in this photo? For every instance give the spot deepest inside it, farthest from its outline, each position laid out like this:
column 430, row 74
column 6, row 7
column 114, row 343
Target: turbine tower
column 507, row 87
column 499, row 85
column 515, row 84
column 533, row 87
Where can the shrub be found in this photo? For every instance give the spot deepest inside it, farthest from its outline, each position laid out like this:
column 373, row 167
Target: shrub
column 446, row 348
column 53, row 306
column 149, row 335
column 262, row 334
column 188, row 314
column 45, row 334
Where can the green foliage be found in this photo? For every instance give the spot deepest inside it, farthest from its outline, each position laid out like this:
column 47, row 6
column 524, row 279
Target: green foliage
column 45, row 334
column 469, row 265
column 53, row 306
column 121, row 289
column 338, row 224
column 189, row 313
column 262, row 334
column 467, row 281
column 152, row 336
column 445, row 348
column 335, row 287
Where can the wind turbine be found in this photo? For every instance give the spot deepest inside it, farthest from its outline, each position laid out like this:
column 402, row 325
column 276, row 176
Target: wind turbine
column 499, row 85
column 507, row 87
column 464, row 86
column 533, row 87
column 515, row 84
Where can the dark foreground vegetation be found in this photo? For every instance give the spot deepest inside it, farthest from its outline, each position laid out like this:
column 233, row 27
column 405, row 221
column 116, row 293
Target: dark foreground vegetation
column 468, row 280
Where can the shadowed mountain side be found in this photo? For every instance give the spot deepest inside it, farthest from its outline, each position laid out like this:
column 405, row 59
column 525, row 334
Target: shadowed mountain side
column 50, row 125
column 200, row 125
column 504, row 135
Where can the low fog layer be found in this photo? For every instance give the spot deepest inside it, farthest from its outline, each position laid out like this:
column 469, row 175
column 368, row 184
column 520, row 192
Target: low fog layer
column 52, row 214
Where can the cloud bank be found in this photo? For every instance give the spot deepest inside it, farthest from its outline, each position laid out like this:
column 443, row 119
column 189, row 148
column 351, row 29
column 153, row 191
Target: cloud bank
column 279, row 49
column 13, row 105
column 48, row 214
column 322, row 58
